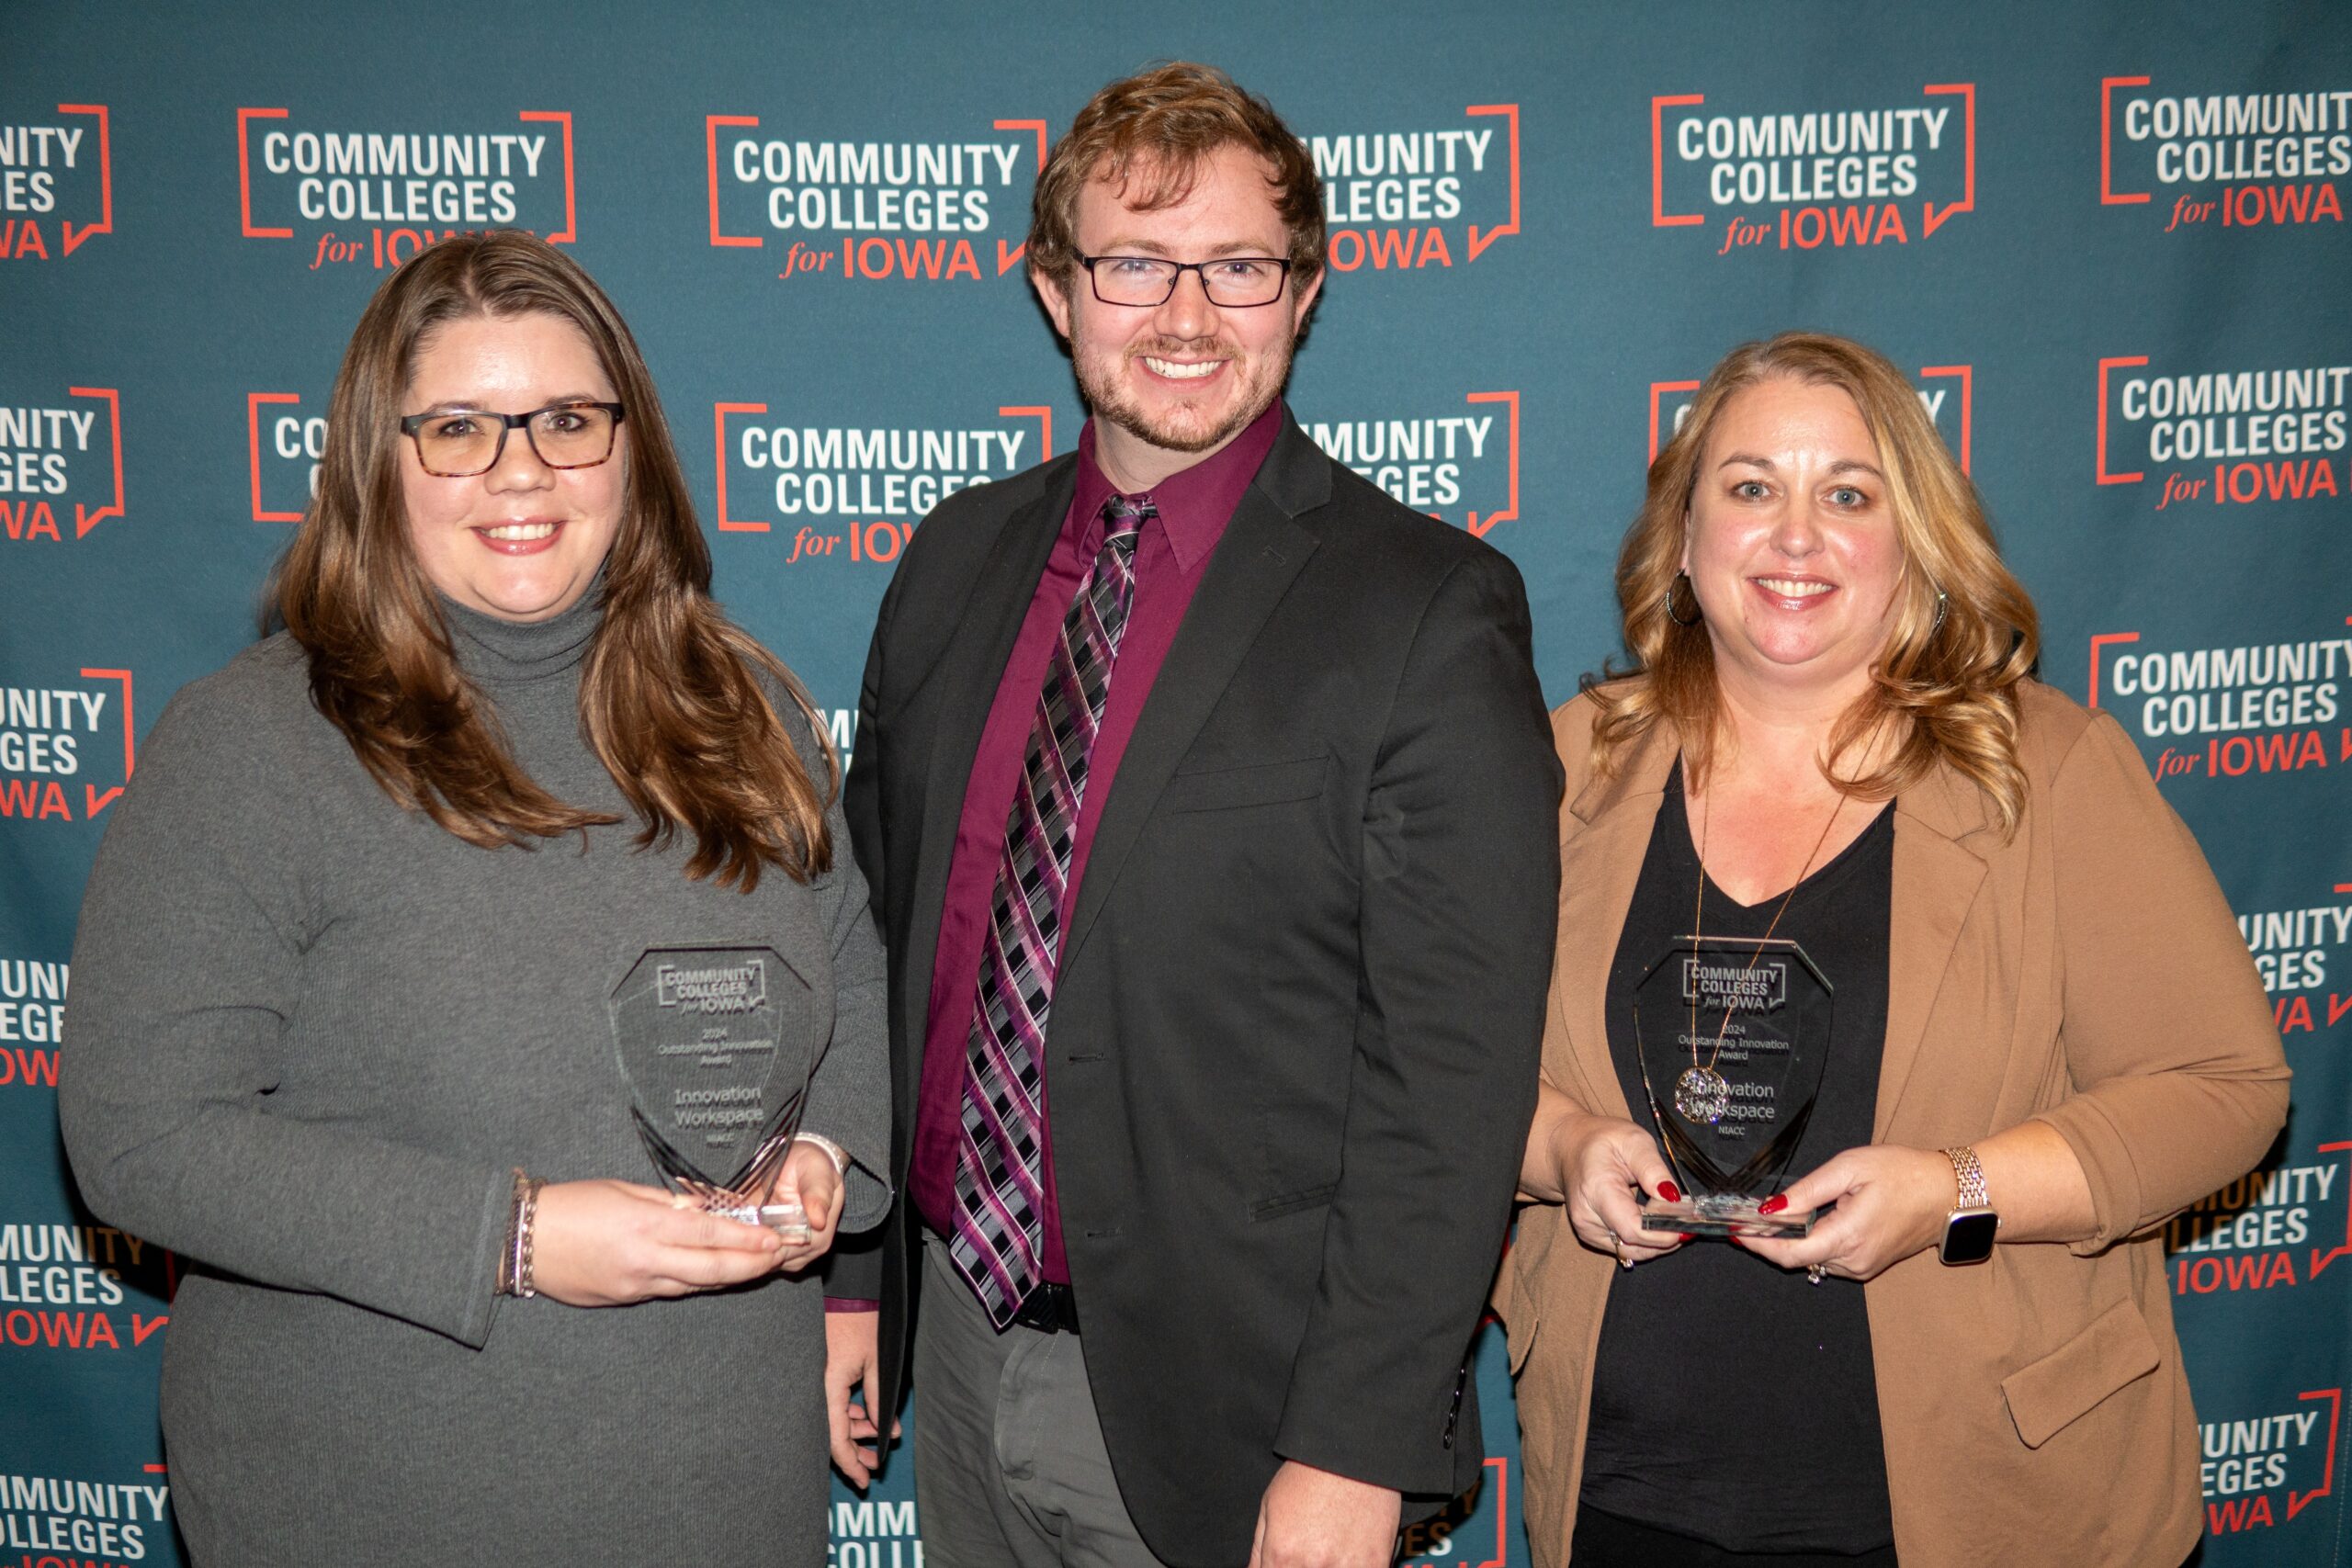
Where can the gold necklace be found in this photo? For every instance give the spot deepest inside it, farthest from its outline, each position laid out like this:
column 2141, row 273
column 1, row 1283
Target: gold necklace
column 1701, row 1094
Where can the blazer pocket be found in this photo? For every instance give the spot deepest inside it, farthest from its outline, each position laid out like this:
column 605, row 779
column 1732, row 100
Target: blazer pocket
column 1292, row 1203
column 2050, row 1394
column 1258, row 784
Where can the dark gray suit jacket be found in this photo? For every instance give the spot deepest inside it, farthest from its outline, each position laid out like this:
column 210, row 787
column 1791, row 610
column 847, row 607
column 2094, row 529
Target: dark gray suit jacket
column 1292, row 1055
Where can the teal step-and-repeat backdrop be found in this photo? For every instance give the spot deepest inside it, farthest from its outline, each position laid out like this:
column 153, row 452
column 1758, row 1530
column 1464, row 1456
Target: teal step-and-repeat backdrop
column 2109, row 239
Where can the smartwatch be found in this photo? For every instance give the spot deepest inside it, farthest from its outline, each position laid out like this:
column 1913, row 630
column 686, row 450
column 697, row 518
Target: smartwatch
column 1969, row 1228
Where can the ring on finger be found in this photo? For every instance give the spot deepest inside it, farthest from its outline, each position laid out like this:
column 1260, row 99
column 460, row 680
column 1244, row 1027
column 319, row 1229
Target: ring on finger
column 1814, row 1273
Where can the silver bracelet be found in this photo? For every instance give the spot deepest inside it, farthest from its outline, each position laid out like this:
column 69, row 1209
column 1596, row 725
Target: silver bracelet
column 833, row 1151
column 526, row 1211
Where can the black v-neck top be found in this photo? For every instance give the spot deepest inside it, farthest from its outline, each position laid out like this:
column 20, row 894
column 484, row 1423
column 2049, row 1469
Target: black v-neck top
column 1733, row 1402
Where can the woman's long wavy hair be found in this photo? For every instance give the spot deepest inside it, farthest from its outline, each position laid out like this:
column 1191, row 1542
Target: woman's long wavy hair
column 671, row 696
column 1950, row 688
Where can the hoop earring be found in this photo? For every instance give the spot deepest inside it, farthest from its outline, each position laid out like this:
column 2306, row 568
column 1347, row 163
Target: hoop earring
column 1682, row 580
column 1943, row 604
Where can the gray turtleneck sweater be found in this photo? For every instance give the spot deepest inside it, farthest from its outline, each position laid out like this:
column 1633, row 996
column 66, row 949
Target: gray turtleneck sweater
column 312, row 1034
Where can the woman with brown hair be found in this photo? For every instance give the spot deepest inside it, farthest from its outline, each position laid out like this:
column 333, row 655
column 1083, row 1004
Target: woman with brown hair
column 1861, row 921
column 358, row 967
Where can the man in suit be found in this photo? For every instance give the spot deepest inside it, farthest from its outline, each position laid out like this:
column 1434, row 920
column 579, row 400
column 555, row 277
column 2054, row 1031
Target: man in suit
column 1209, row 802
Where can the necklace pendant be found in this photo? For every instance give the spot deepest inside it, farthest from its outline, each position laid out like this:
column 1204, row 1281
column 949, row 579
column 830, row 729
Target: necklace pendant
column 1702, row 1095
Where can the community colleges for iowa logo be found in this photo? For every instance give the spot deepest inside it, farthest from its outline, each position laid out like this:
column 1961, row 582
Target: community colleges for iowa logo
column 953, row 206
column 2301, row 954
column 350, row 196
column 32, row 1020
column 2279, row 1226
column 2224, row 437
column 847, row 493
column 2243, row 710
column 56, row 181
column 1430, row 194
column 1472, row 1531
column 2222, row 160
column 1947, row 391
column 60, row 462
column 72, row 1518
column 1883, row 170
column 1459, row 462
column 66, row 750
column 2264, row 1465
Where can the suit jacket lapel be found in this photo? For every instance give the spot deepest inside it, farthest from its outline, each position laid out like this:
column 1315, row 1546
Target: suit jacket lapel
column 974, row 663
column 1598, row 865
column 1936, row 881
column 1261, row 551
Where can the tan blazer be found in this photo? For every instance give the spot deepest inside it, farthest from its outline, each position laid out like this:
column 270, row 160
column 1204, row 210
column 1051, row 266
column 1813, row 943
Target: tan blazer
column 2086, row 971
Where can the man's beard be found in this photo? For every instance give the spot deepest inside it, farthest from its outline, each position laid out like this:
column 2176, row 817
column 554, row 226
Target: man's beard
column 1183, row 431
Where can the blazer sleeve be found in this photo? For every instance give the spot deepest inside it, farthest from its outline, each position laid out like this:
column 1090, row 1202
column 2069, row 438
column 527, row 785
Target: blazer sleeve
column 849, row 1098
column 854, row 1274
column 187, row 962
column 1461, row 877
column 2179, row 1081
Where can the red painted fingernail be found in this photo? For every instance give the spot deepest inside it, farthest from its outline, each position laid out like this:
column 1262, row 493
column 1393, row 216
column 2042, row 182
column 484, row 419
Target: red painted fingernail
column 1670, row 1191
column 1774, row 1204
column 1688, row 1236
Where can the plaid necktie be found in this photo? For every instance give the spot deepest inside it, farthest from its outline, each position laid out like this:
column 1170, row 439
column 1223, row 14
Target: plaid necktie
column 999, row 1233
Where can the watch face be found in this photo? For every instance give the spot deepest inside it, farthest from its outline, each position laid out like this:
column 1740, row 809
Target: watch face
column 1968, row 1236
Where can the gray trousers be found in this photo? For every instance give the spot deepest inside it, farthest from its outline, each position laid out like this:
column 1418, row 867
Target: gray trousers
column 1009, row 1467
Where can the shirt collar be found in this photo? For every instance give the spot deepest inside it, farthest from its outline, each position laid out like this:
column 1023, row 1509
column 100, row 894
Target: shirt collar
column 1194, row 504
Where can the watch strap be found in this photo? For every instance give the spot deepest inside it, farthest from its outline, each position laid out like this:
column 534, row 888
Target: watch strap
column 1970, row 1176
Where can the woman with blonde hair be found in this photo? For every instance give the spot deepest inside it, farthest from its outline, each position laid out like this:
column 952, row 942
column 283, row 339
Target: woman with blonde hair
column 361, row 960
column 1831, row 818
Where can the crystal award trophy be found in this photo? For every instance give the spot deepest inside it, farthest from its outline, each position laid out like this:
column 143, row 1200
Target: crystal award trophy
column 1732, row 1035
column 715, row 1089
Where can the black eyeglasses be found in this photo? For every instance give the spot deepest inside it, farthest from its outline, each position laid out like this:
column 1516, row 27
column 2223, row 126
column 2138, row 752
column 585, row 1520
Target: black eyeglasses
column 456, row 444
column 1232, row 282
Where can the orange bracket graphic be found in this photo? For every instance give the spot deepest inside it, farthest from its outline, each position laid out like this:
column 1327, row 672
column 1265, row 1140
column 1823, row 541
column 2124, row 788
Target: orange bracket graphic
column 710, row 124
column 1009, row 256
column 2108, row 195
column 92, row 801
column 1657, row 392
column 571, row 208
column 2320, row 1260
column 2098, row 643
column 84, row 518
column 252, row 451
column 105, row 225
column 1967, row 374
column 1510, row 508
column 1043, row 416
column 245, row 175
column 2104, row 367
column 2298, row 1501
column 1480, row 238
column 1659, row 217
column 1931, row 220
column 718, row 424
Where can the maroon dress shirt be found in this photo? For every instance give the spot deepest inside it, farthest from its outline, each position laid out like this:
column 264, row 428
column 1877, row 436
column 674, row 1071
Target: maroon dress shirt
column 1195, row 506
